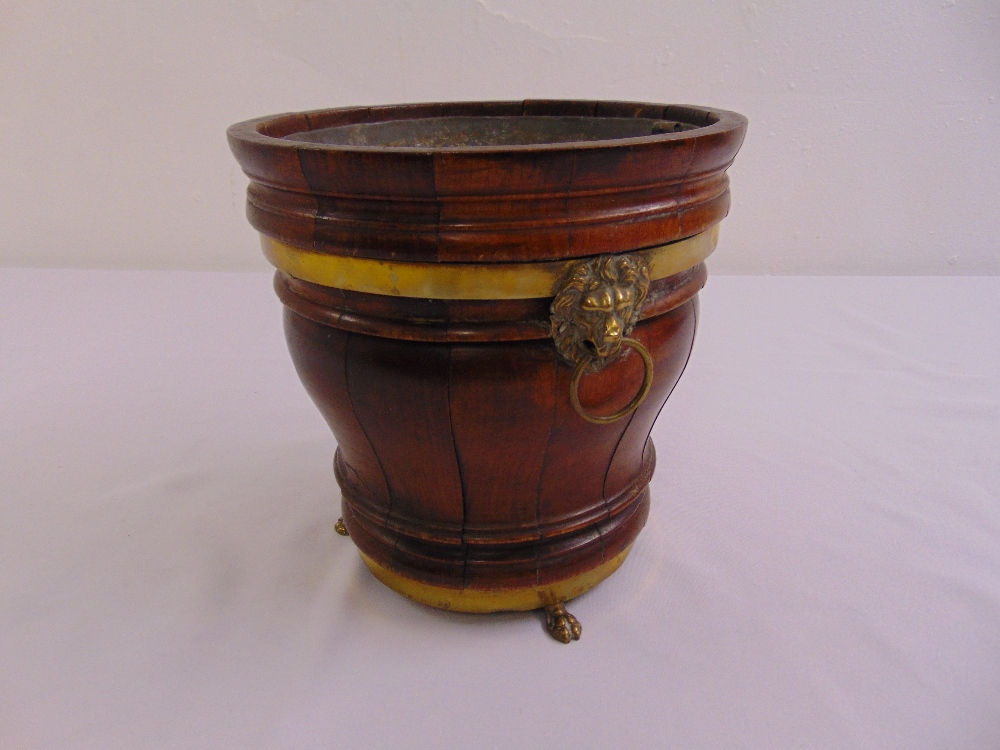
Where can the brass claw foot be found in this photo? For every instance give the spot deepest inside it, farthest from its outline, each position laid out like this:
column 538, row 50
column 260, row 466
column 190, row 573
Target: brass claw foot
column 561, row 624
column 340, row 528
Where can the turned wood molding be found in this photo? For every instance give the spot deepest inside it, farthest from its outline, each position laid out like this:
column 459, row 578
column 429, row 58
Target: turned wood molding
column 488, row 204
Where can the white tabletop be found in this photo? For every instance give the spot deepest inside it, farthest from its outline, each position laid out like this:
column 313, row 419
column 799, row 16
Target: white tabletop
column 820, row 569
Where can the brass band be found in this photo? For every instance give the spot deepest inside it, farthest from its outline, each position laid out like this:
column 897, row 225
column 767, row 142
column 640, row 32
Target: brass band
column 500, row 600
column 472, row 281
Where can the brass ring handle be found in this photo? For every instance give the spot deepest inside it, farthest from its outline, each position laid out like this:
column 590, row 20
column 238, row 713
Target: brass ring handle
column 631, row 406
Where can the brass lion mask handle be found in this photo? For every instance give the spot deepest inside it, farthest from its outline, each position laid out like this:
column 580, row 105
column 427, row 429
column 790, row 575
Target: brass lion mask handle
column 593, row 313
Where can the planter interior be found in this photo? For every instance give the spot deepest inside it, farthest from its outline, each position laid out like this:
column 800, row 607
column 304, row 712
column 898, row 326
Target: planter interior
column 454, row 132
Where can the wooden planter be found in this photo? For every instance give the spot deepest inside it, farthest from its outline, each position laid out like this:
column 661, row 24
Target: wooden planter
column 490, row 302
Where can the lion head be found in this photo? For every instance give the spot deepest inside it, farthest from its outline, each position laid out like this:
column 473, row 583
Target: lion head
column 598, row 306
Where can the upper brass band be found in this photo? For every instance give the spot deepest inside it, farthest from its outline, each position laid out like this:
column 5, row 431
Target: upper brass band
column 469, row 281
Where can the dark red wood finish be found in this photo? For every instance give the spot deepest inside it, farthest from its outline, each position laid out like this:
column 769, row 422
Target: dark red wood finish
column 461, row 460
column 488, row 204
column 464, row 464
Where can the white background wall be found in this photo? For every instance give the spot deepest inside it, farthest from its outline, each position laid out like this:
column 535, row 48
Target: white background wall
column 874, row 142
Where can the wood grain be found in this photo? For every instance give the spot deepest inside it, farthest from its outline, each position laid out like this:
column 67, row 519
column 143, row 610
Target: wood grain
column 539, row 202
column 461, row 460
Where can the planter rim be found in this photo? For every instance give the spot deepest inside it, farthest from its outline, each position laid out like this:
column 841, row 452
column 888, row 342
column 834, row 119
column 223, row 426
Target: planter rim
column 282, row 125
column 489, row 203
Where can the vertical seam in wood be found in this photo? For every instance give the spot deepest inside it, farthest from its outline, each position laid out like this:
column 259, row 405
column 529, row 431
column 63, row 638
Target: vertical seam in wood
column 357, row 417
column 679, row 190
column 461, row 474
column 694, row 314
column 545, row 458
column 315, row 199
column 691, row 161
column 604, row 491
column 604, row 484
